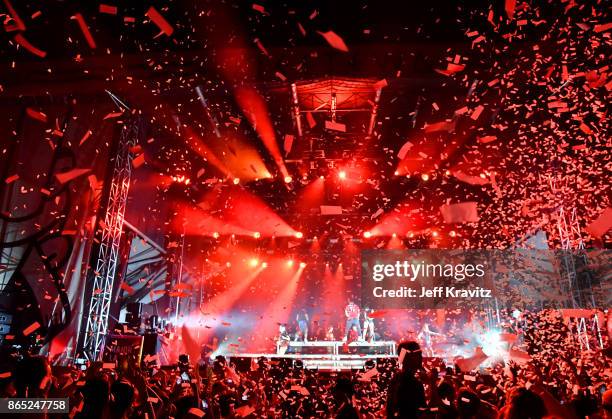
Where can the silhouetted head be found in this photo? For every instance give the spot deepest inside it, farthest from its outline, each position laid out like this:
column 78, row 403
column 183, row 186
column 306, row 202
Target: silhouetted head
column 412, row 358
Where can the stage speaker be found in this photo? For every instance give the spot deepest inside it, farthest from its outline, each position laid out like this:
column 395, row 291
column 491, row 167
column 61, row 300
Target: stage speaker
column 133, row 315
column 151, row 344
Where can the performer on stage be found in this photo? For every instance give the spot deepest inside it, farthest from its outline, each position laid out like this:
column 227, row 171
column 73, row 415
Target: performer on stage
column 368, row 326
column 302, row 321
column 425, row 336
column 283, row 340
column 351, row 311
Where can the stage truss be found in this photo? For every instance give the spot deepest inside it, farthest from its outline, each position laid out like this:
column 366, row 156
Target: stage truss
column 108, row 253
column 570, row 237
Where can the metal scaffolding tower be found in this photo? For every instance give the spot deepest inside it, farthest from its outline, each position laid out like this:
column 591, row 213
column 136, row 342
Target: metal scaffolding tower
column 579, row 291
column 108, row 253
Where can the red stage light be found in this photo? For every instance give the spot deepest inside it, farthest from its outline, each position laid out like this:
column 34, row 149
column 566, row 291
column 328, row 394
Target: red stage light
column 367, row 234
column 299, row 235
column 425, row 177
column 288, row 179
column 236, row 181
column 452, row 233
column 216, row 235
column 342, row 174
column 434, row 233
column 302, row 264
column 257, row 234
column 290, row 263
column 264, row 265
column 254, row 262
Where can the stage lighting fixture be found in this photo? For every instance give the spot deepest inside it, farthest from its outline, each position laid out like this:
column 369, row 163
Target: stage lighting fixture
column 321, row 177
column 342, row 174
column 434, row 233
column 491, row 344
column 215, row 235
column 257, row 234
column 394, row 235
column 396, row 173
column 452, row 233
column 367, row 234
column 425, row 177
column 302, row 264
column 254, row 262
column 236, row 181
column 290, row 263
column 264, row 265
column 288, row 179
column 299, row 235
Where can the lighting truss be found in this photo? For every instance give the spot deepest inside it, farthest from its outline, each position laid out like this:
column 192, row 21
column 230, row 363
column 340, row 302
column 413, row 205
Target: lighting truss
column 108, row 253
column 580, row 294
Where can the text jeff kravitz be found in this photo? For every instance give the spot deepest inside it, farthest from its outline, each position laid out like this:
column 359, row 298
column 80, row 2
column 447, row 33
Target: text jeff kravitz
column 435, row 292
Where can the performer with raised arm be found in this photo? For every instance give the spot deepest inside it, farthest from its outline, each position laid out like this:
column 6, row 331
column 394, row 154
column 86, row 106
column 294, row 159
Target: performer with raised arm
column 368, row 326
column 351, row 311
column 425, row 336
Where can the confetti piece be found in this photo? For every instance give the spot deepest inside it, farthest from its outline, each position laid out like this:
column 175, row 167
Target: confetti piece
column 11, row 179
column 477, row 112
column 113, row 115
column 85, row 137
column 66, row 177
column 602, row 28
column 310, row 119
column 160, row 21
column 259, row 8
column 487, row 139
column 85, row 29
column 331, row 210
column 31, row 329
column 34, row 114
column 27, row 45
column 602, row 224
column 334, row 40
column 138, row 161
column 464, row 212
column 288, row 143
column 509, row 7
column 108, row 9
column 404, row 150
column 335, row 126
column 19, row 25
column 440, row 126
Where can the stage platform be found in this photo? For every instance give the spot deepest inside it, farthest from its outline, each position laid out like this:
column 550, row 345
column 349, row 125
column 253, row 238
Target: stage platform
column 329, row 362
column 328, row 355
column 337, row 347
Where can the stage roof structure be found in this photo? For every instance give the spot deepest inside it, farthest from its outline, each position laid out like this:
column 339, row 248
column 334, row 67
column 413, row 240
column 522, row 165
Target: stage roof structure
column 334, row 96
